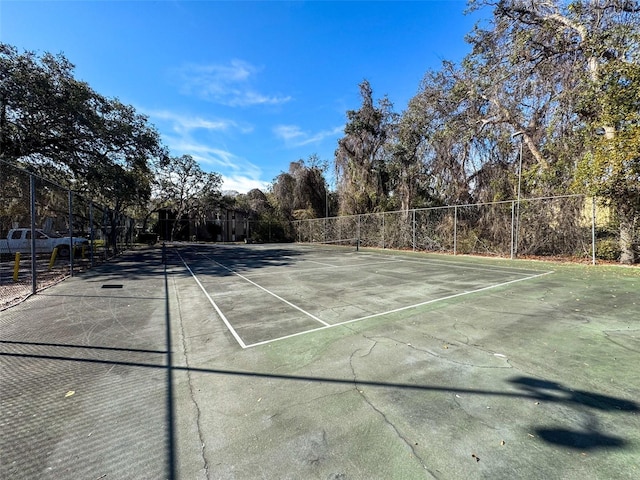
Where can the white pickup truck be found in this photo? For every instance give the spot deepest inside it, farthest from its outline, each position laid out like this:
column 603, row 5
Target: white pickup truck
column 19, row 240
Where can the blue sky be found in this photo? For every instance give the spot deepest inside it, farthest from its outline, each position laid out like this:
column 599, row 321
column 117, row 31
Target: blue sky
column 245, row 87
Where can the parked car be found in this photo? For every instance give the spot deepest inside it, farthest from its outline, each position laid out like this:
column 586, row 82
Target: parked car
column 19, row 240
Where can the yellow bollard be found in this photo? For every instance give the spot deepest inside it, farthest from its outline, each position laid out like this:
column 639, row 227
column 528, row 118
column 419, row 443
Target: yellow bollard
column 16, row 267
column 54, row 254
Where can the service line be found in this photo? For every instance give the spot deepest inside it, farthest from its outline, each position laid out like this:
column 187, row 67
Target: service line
column 269, row 292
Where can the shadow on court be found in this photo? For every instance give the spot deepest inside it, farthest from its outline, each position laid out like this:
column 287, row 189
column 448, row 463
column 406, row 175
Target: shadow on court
column 20, row 464
column 143, row 382
column 238, row 258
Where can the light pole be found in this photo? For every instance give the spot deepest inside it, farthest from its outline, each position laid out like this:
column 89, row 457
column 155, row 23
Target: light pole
column 518, row 134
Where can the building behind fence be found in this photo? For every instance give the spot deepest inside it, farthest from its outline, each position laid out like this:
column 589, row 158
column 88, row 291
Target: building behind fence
column 223, row 225
column 564, row 226
column 29, row 201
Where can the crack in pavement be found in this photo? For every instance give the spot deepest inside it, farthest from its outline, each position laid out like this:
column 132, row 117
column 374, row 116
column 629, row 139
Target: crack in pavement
column 381, row 413
column 436, row 355
column 191, row 388
column 470, row 415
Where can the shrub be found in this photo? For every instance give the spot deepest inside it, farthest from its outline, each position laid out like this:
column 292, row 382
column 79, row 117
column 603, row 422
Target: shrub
column 607, row 249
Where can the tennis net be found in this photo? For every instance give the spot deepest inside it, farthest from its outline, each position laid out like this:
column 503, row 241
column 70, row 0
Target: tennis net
column 343, row 245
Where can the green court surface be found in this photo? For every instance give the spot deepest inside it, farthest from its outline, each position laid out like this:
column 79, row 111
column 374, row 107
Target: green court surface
column 266, row 293
column 292, row 362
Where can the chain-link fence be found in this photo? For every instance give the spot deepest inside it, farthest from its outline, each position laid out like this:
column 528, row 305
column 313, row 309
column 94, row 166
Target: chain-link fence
column 572, row 226
column 48, row 232
column 240, row 229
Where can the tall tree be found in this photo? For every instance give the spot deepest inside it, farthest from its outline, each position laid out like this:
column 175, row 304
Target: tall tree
column 450, row 128
column 186, row 189
column 58, row 126
column 310, row 191
column 527, row 72
column 536, row 62
column 361, row 168
column 549, row 70
column 44, row 110
column 302, row 191
column 611, row 167
column 283, row 192
column 408, row 150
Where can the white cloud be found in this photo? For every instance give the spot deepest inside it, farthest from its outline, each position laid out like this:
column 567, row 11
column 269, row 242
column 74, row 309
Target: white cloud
column 288, row 132
column 220, row 160
column 183, row 124
column 242, row 184
column 236, row 172
column 233, row 165
column 229, row 85
column 294, row 136
column 196, row 135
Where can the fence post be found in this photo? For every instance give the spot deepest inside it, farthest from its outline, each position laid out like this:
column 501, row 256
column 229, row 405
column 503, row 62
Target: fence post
column 383, row 228
column 71, row 249
column 413, row 228
column 92, row 236
column 358, row 231
column 593, row 230
column 517, row 235
column 512, row 226
column 32, row 207
column 455, row 229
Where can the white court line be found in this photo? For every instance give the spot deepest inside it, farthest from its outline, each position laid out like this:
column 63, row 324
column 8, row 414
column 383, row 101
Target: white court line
column 222, row 316
column 482, row 268
column 395, row 260
column 270, row 293
column 395, row 310
column 313, row 270
column 321, row 263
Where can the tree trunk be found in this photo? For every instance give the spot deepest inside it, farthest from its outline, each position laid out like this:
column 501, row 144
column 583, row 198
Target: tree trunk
column 627, row 219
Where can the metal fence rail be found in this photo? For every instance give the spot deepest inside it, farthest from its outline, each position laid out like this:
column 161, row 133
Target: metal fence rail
column 563, row 226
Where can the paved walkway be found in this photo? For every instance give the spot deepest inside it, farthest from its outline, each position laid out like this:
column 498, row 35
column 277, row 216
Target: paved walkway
column 126, row 372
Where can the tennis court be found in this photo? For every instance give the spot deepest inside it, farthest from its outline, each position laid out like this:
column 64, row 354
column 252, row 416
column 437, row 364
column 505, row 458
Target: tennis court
column 295, row 361
column 265, row 293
